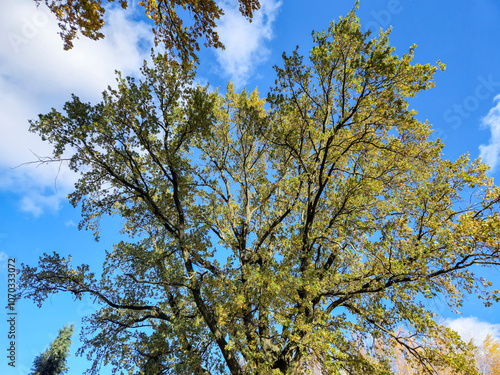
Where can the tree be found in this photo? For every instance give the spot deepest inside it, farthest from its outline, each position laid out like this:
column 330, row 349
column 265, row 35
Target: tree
column 269, row 236
column 404, row 364
column 53, row 360
column 488, row 356
column 487, row 359
column 170, row 28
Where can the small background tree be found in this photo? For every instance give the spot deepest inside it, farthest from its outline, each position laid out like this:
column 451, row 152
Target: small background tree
column 488, row 356
column 53, row 360
column 487, row 359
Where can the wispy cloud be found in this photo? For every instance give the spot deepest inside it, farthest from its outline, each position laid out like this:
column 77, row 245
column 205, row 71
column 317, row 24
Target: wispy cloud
column 70, row 223
column 245, row 42
column 3, row 261
column 473, row 329
column 36, row 203
column 36, row 74
column 491, row 153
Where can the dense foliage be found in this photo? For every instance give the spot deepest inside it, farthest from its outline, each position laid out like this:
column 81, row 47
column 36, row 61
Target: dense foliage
column 273, row 236
column 53, row 360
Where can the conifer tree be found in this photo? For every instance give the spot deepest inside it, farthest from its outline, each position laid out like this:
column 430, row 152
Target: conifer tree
column 53, row 360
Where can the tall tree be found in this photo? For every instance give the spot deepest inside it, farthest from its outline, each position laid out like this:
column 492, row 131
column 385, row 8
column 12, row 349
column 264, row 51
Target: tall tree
column 488, row 356
column 53, row 360
column 178, row 24
column 272, row 238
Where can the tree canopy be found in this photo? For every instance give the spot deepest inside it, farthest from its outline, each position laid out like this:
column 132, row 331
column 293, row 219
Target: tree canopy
column 178, row 24
column 53, row 360
column 273, row 235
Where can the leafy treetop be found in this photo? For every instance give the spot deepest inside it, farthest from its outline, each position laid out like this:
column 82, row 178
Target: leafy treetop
column 268, row 238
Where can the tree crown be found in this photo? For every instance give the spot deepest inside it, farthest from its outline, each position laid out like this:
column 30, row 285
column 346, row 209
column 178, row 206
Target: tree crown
column 273, row 237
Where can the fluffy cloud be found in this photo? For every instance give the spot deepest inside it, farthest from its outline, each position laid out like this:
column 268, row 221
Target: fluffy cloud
column 244, row 41
column 36, row 74
column 491, row 153
column 473, row 329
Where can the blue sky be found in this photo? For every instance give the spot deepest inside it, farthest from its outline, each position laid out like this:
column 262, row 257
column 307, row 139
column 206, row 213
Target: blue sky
column 36, row 74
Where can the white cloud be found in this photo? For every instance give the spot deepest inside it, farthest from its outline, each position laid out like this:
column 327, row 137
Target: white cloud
column 37, row 74
column 36, row 203
column 244, row 41
column 491, row 153
column 473, row 329
column 3, row 261
column 70, row 223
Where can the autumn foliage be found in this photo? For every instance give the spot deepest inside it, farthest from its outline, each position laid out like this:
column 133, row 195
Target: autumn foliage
column 266, row 234
column 486, row 359
column 178, row 24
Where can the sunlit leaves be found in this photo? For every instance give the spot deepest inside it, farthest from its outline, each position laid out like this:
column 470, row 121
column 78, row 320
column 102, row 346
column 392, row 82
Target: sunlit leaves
column 271, row 237
column 488, row 356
